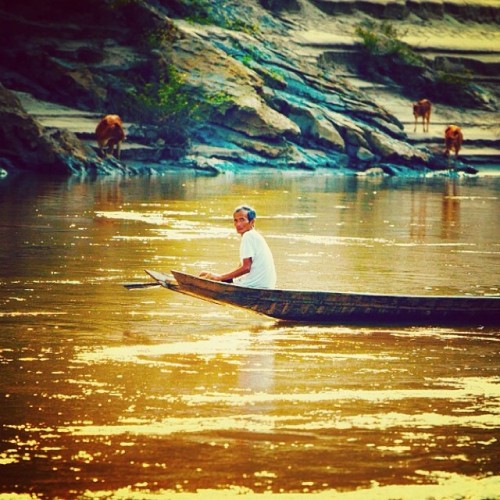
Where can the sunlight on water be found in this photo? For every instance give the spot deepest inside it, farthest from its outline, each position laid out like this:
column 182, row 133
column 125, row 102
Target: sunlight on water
column 195, row 231
column 272, row 424
column 227, row 344
column 31, row 313
column 470, row 389
column 455, row 486
column 329, row 240
column 148, row 218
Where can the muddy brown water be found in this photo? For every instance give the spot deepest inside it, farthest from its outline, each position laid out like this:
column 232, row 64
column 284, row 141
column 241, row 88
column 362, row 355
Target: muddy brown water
column 151, row 394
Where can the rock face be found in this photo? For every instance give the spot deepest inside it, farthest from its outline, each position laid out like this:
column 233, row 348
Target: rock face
column 486, row 11
column 266, row 103
column 25, row 144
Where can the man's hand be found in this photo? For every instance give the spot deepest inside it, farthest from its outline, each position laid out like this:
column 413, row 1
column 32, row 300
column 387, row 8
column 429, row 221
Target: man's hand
column 210, row 276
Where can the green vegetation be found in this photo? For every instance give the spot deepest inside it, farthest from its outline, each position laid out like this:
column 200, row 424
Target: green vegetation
column 383, row 39
column 247, row 60
column 217, row 13
column 273, row 77
column 160, row 36
column 449, row 74
column 388, row 56
column 158, row 101
column 173, row 109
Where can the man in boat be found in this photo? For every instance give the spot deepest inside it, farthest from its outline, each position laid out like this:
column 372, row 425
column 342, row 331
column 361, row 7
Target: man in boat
column 256, row 269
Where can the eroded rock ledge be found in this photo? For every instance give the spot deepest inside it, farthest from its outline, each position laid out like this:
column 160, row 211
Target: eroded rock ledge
column 485, row 11
column 280, row 109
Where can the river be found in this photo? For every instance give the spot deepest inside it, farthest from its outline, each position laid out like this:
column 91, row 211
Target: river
column 110, row 393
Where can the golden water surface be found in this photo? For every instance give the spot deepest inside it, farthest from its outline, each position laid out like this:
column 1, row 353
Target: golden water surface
column 109, row 393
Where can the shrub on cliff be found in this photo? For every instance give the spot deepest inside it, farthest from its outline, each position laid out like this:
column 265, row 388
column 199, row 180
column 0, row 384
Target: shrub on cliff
column 172, row 110
column 387, row 56
column 219, row 13
column 384, row 40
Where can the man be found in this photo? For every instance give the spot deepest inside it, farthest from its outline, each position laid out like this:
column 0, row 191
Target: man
column 256, row 269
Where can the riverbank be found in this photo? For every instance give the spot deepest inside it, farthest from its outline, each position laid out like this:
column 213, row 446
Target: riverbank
column 481, row 146
column 289, row 91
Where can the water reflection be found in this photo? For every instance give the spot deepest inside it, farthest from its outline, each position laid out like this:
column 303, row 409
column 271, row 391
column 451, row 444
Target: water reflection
column 418, row 219
column 451, row 209
column 256, row 373
column 151, row 393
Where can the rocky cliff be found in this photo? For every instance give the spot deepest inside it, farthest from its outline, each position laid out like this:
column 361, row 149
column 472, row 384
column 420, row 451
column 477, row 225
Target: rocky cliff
column 219, row 85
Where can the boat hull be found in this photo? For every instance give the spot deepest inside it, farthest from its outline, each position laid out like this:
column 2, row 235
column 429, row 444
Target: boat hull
column 345, row 308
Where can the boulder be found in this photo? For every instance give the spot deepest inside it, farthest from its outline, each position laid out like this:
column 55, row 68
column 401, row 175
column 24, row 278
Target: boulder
column 364, row 155
column 253, row 117
column 315, row 124
column 393, row 150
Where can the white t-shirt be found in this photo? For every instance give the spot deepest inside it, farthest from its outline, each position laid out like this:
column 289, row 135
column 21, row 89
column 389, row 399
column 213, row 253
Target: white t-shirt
column 262, row 273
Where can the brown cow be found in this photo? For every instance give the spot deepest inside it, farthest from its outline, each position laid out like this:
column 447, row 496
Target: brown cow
column 109, row 132
column 422, row 108
column 453, row 139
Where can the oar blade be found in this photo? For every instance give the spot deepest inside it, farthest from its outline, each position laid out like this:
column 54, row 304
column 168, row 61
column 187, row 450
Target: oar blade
column 160, row 279
column 135, row 286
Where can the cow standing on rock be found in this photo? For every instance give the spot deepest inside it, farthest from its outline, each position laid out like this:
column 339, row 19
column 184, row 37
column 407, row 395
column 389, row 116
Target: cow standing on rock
column 453, row 139
column 109, row 132
column 422, row 108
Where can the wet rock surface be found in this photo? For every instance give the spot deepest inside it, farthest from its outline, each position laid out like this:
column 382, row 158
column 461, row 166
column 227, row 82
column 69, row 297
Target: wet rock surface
column 294, row 95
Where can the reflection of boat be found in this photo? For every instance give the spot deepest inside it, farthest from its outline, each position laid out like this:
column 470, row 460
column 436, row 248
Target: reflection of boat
column 338, row 307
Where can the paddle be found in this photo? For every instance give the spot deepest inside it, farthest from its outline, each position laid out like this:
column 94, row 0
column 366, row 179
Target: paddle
column 161, row 279
column 132, row 286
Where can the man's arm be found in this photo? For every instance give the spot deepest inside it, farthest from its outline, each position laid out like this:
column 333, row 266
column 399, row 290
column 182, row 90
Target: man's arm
column 244, row 268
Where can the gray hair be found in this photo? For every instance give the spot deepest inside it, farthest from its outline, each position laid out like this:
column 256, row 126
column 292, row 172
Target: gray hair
column 251, row 214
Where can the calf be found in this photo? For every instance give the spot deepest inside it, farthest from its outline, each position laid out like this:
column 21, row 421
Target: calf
column 109, row 132
column 422, row 108
column 453, row 139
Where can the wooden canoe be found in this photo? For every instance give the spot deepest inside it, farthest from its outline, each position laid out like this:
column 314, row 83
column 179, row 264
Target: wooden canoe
column 338, row 307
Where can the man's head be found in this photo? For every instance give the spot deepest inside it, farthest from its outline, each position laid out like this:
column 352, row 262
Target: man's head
column 244, row 219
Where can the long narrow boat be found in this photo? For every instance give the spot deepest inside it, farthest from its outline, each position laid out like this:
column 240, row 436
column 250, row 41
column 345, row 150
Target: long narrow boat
column 338, row 307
